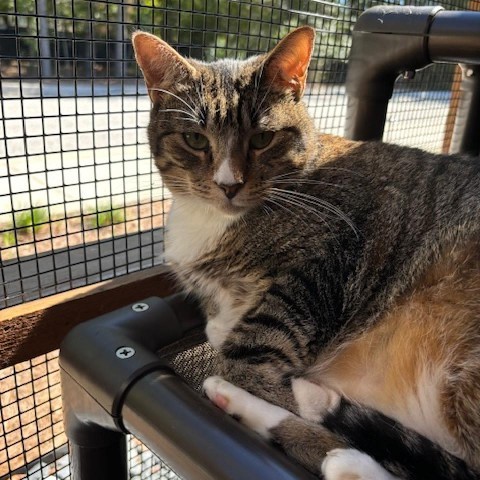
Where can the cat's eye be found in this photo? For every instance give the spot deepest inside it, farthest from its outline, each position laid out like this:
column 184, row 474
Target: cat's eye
column 261, row 140
column 195, row 140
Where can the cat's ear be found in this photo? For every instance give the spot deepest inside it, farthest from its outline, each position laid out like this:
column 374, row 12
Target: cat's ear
column 161, row 65
column 287, row 64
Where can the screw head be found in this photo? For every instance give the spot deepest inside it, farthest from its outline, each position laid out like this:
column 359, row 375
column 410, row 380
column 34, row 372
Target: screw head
column 125, row 352
column 469, row 72
column 140, row 307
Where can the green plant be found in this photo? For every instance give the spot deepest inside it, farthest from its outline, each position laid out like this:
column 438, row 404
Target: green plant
column 22, row 224
column 104, row 216
column 34, row 217
column 8, row 238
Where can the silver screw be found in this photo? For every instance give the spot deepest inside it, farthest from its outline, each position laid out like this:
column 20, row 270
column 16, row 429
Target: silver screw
column 140, row 307
column 125, row 352
column 469, row 72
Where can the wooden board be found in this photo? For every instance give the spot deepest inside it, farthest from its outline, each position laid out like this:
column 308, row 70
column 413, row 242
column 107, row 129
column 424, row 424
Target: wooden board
column 38, row 327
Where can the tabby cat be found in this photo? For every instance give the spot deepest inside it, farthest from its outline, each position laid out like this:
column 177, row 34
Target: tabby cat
column 340, row 279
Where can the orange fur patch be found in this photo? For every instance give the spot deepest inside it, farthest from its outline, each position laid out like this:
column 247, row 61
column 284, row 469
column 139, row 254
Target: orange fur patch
column 401, row 364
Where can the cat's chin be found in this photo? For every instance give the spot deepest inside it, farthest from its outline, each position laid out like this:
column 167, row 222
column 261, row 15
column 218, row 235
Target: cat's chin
column 231, row 210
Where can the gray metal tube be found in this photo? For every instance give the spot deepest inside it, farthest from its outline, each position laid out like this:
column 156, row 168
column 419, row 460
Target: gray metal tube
column 95, row 376
column 454, row 37
column 107, row 394
column 106, row 462
column 390, row 40
column 196, row 439
column 97, row 447
column 386, row 42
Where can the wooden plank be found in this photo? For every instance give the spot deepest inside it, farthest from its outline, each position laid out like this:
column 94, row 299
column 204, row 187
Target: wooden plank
column 38, row 327
column 452, row 110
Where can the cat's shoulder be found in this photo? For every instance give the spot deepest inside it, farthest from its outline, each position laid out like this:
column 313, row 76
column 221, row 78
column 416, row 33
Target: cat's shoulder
column 333, row 145
column 375, row 152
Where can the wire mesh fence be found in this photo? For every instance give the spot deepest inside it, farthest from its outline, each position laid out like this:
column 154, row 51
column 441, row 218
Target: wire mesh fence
column 79, row 199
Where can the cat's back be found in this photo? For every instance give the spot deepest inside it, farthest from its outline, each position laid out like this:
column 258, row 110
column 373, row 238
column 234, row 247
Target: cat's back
column 419, row 191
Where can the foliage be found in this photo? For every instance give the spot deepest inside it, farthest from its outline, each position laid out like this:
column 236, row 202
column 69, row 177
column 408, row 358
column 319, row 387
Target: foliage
column 25, row 223
column 105, row 216
column 34, row 217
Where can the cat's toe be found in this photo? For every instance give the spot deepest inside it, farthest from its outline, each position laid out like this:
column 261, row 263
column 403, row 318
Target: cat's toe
column 252, row 411
column 219, row 391
column 350, row 464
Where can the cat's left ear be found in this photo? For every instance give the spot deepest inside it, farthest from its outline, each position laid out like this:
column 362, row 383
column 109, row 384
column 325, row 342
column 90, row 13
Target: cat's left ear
column 286, row 65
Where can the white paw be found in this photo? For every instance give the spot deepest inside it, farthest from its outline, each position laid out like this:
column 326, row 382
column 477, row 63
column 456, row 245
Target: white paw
column 252, row 411
column 313, row 400
column 349, row 464
column 217, row 332
column 220, row 392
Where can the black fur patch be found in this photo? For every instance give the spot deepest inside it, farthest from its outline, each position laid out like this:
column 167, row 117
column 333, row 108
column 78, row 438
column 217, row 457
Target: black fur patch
column 400, row 450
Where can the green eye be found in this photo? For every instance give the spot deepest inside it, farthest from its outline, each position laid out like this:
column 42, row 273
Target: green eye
column 261, row 140
column 195, row 140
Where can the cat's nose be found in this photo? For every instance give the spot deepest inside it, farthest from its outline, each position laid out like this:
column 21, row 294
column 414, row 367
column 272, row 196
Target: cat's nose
column 230, row 190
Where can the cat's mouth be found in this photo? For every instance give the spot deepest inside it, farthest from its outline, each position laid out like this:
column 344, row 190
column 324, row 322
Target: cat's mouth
column 233, row 206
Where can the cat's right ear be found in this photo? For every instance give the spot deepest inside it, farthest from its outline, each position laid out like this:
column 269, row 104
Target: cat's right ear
column 286, row 66
column 161, row 65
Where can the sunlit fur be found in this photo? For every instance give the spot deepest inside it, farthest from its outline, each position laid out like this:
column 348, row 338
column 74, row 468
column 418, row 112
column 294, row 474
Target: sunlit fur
column 352, row 266
column 228, row 104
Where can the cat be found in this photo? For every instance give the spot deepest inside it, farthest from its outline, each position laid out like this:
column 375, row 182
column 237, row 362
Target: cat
column 340, row 279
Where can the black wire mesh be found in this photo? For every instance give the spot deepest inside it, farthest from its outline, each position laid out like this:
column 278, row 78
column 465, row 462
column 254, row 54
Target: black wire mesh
column 79, row 200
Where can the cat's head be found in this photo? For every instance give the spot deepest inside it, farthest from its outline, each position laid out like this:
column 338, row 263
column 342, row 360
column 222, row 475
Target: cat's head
column 222, row 132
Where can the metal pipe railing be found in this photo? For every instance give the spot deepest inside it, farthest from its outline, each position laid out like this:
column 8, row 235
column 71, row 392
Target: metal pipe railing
column 113, row 383
column 99, row 361
column 390, row 41
column 196, row 439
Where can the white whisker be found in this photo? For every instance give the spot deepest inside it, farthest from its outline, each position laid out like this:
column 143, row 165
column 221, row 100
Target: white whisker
column 178, row 110
column 276, row 200
column 301, row 181
column 314, row 201
column 201, row 97
column 278, row 204
column 258, row 77
column 257, row 110
column 283, row 175
column 307, row 208
column 194, row 120
column 192, row 109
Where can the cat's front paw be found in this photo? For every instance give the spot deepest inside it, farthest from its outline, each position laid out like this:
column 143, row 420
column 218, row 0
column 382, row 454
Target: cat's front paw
column 252, row 411
column 350, row 464
column 217, row 333
column 219, row 392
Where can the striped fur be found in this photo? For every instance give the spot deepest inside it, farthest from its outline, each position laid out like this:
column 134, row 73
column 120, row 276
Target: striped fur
column 341, row 280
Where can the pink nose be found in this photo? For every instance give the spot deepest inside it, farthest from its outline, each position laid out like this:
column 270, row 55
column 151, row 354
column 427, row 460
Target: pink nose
column 230, row 190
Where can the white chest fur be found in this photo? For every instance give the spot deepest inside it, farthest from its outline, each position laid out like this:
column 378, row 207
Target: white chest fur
column 193, row 228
